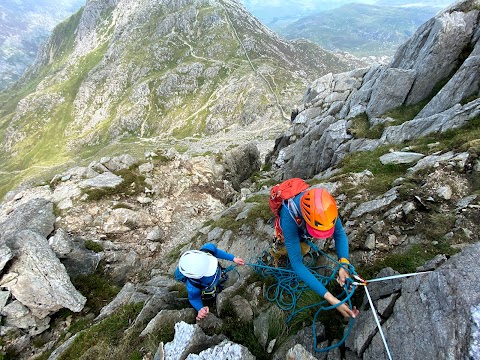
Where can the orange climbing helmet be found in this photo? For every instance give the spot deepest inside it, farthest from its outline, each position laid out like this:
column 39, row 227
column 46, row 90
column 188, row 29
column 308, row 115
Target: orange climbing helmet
column 320, row 212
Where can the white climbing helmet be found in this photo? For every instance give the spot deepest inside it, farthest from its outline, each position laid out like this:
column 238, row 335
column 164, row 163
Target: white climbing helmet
column 196, row 264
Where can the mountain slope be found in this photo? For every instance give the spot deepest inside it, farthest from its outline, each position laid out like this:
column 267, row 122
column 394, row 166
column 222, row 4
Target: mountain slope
column 361, row 29
column 117, row 71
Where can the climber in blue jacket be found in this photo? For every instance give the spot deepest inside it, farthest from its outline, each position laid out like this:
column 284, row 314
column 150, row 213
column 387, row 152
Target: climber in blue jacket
column 203, row 274
column 318, row 214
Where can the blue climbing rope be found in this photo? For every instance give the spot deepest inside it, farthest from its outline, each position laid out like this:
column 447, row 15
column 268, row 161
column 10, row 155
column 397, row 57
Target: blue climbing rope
column 288, row 288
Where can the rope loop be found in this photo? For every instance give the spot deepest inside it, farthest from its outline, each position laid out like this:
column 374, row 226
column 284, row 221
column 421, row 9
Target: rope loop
column 288, row 287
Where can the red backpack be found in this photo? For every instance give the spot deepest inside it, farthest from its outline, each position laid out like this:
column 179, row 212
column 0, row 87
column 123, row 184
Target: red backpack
column 280, row 192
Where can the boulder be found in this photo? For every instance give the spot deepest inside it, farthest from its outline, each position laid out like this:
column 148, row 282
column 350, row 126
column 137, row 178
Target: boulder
column 37, row 278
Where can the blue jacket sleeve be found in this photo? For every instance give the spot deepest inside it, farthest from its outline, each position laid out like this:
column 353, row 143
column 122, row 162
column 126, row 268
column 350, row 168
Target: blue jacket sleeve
column 194, row 296
column 220, row 254
column 292, row 243
column 341, row 240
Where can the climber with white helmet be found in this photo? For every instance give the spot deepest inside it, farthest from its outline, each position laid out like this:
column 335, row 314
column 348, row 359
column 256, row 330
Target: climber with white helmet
column 202, row 274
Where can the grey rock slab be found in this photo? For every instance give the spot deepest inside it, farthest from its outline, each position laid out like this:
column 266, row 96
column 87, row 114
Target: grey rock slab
column 4, row 295
column 65, row 191
column 17, row 315
column 169, row 318
column 452, row 118
column 298, row 352
column 120, row 162
column 363, row 330
column 390, row 90
column 35, row 214
column 61, row 243
column 5, row 256
column 42, row 283
column 400, row 157
column 122, row 298
column 377, row 204
column 226, row 350
column 58, row 352
column 189, row 339
column 464, row 83
column 104, row 180
column 434, row 160
column 432, row 317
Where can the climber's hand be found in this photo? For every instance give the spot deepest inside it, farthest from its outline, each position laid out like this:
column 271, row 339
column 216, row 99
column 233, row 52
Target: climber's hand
column 239, row 261
column 202, row 313
column 342, row 276
column 347, row 312
column 343, row 309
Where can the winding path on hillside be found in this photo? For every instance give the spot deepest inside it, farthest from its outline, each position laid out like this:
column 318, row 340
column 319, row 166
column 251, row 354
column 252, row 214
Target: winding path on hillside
column 284, row 115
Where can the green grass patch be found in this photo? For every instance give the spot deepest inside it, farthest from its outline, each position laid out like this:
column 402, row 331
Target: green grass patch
column 241, row 333
column 405, row 112
column 407, row 261
column 383, row 175
column 259, row 211
column 468, row 99
column 98, row 288
column 267, row 166
column 107, row 339
column 360, row 128
column 93, row 246
column 133, row 184
column 460, row 139
column 258, row 198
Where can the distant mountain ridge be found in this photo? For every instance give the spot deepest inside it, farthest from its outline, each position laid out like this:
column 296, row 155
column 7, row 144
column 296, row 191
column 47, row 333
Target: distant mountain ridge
column 361, row 29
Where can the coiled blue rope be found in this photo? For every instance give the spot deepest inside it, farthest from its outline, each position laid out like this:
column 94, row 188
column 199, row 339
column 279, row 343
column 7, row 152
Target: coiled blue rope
column 288, row 288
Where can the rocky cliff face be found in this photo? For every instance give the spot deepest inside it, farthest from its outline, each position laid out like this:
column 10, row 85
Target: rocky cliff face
column 436, row 70
column 408, row 200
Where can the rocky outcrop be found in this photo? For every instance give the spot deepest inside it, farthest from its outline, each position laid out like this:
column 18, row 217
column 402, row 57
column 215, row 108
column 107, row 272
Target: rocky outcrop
column 427, row 316
column 240, row 164
column 438, row 65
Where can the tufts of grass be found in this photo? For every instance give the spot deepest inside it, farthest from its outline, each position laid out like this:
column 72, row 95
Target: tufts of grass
column 468, row 99
column 107, row 339
column 93, row 246
column 277, row 327
column 405, row 112
column 267, row 166
column 383, row 175
column 243, row 334
column 98, row 288
column 133, row 184
column 460, row 139
column 360, row 128
column 260, row 211
column 258, row 198
column 407, row 261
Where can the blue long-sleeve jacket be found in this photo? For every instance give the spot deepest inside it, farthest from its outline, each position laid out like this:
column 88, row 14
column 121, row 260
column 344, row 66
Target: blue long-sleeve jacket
column 194, row 293
column 292, row 234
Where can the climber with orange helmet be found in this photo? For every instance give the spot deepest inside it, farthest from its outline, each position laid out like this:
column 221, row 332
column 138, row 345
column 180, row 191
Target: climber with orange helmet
column 202, row 274
column 318, row 214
